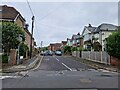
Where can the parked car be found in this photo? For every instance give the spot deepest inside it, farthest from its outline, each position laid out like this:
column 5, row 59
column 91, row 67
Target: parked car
column 47, row 53
column 59, row 53
column 42, row 52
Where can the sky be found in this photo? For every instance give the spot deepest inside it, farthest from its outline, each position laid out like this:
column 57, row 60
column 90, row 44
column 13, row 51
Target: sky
column 57, row 21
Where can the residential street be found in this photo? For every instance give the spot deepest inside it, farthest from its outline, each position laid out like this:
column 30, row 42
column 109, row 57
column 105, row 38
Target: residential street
column 62, row 72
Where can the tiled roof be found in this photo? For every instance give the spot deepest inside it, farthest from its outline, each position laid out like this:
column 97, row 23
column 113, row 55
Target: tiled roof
column 104, row 26
column 9, row 13
column 91, row 29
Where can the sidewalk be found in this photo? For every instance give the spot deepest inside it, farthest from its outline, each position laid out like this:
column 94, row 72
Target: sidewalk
column 97, row 65
column 27, row 65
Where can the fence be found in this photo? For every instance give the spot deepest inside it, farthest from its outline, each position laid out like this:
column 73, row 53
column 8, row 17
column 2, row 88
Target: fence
column 101, row 57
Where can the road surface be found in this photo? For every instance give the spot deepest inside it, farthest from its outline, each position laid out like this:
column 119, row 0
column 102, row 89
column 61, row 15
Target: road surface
column 62, row 72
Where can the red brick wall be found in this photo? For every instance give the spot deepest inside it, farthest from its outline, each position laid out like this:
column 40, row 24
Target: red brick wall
column 13, row 55
column 115, row 61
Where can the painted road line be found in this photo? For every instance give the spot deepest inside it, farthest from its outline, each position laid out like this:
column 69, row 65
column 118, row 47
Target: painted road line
column 4, row 77
column 67, row 67
column 57, row 59
column 38, row 64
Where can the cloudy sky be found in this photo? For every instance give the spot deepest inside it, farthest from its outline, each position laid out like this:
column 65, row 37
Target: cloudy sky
column 57, row 21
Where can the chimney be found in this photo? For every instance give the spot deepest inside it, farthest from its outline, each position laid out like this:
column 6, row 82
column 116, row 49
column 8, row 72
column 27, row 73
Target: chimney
column 90, row 25
column 78, row 34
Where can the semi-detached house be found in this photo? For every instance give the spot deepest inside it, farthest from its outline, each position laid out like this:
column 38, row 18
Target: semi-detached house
column 12, row 15
column 92, row 35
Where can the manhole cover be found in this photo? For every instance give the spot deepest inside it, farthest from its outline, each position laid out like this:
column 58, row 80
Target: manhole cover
column 85, row 80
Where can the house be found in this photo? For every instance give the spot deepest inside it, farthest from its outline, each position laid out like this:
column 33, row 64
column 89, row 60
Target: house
column 51, row 47
column 77, row 40
column 69, row 42
column 97, row 35
column 102, row 32
column 12, row 15
column 55, row 46
column 87, row 34
column 63, row 43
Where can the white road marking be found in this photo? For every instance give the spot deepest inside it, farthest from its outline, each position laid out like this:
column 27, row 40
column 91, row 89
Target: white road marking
column 3, row 77
column 47, row 59
column 67, row 67
column 57, row 59
column 38, row 64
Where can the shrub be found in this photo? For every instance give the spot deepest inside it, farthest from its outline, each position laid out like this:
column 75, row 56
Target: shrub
column 113, row 44
column 4, row 58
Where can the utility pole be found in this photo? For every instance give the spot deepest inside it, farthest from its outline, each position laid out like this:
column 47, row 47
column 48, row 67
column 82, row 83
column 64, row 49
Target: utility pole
column 33, row 18
column 41, row 43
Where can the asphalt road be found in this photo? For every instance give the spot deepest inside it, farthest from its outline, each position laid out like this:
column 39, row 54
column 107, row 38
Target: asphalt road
column 62, row 72
column 58, row 63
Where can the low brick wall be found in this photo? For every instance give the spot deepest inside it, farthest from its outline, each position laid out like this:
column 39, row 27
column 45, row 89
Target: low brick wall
column 114, row 61
column 13, row 55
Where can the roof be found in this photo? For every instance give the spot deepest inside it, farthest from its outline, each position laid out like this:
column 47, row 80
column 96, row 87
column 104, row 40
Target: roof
column 89, row 28
column 76, row 36
column 105, row 26
column 64, row 42
column 9, row 13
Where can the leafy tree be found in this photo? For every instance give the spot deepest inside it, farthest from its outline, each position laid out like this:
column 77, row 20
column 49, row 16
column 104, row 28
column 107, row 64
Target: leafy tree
column 74, row 49
column 67, row 49
column 10, row 34
column 44, row 48
column 113, row 44
column 23, row 49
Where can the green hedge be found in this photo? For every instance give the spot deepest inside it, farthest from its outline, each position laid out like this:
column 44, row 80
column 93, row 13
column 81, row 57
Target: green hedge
column 4, row 58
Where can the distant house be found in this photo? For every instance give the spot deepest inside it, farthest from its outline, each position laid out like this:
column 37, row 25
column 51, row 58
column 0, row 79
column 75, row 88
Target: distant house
column 77, row 40
column 97, row 35
column 87, row 36
column 51, row 47
column 63, row 43
column 103, row 31
column 69, row 42
column 11, row 14
column 55, row 46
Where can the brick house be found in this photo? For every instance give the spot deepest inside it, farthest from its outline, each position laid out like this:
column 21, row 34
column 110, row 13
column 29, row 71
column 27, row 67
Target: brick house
column 54, row 47
column 12, row 15
column 63, row 43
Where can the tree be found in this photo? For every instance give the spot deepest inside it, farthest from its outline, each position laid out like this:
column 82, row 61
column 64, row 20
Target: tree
column 67, row 49
column 10, row 34
column 113, row 44
column 44, row 48
column 74, row 49
column 23, row 49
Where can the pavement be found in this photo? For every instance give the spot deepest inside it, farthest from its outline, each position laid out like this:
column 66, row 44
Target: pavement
column 29, row 64
column 97, row 65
